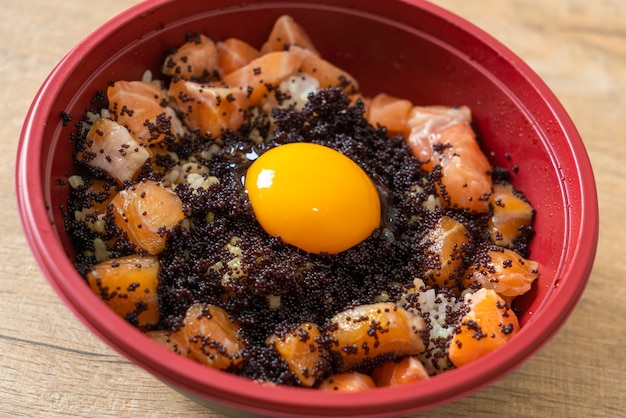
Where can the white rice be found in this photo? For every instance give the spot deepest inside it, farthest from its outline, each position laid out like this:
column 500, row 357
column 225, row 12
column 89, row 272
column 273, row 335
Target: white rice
column 441, row 313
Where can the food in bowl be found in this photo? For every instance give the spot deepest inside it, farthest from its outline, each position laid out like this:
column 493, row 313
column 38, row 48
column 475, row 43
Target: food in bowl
column 183, row 226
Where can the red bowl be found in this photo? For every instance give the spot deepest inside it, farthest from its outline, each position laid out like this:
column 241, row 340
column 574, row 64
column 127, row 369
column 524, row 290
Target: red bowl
column 407, row 48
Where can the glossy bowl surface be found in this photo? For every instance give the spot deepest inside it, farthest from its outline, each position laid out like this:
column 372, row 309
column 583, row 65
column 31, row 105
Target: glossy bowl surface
column 411, row 49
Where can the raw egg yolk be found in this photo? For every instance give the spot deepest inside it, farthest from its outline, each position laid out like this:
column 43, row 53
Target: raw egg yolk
column 313, row 197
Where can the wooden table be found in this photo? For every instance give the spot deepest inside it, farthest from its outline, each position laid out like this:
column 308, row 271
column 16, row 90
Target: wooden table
column 51, row 365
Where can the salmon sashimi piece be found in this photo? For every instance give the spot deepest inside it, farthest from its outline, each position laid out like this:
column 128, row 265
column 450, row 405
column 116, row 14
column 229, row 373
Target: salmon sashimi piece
column 197, row 59
column 425, row 123
column 207, row 109
column 110, row 147
column 100, row 194
column 145, row 211
column 368, row 331
column 172, row 340
column 234, row 54
column 142, row 107
column 300, row 349
column 503, row 270
column 466, row 170
column 264, row 74
column 489, row 324
column 328, row 74
column 446, row 244
column 96, row 196
column 212, row 337
column 128, row 285
column 443, row 136
column 287, row 33
column 511, row 215
column 348, row 382
column 394, row 373
column 391, row 112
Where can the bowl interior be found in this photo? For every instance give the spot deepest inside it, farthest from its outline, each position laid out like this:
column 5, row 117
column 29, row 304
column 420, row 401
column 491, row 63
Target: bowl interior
column 408, row 49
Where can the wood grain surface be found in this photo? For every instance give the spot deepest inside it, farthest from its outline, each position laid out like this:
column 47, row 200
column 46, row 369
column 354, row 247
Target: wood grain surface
column 51, row 365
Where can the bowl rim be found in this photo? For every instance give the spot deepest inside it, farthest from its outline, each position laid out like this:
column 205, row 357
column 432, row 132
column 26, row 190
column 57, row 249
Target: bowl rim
column 243, row 393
